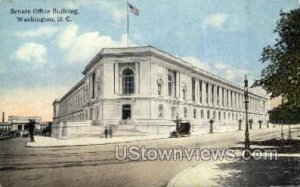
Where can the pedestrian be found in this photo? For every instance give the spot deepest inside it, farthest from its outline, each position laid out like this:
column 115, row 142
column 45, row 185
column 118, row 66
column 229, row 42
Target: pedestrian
column 31, row 127
column 110, row 131
column 106, row 132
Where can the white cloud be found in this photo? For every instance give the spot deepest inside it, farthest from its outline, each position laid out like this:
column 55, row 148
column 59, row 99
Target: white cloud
column 226, row 71
column 258, row 90
column 216, row 20
column 197, row 62
column 118, row 15
column 82, row 47
column 42, row 31
column 32, row 53
column 230, row 73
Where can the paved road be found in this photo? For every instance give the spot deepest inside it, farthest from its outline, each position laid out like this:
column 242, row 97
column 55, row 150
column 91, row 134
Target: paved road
column 97, row 165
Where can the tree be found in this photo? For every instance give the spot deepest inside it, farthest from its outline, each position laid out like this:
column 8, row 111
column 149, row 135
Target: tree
column 281, row 76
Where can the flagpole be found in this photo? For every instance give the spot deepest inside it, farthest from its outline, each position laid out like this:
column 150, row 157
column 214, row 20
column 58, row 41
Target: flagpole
column 127, row 26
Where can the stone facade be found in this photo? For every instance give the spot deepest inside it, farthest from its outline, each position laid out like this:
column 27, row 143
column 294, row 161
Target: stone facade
column 149, row 88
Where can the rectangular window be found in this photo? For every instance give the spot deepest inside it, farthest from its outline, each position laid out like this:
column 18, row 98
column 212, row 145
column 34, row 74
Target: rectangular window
column 212, row 94
column 231, row 99
column 200, row 91
column 227, row 98
column 193, row 89
column 206, row 93
column 218, row 100
column 93, row 84
column 172, row 83
column 223, row 97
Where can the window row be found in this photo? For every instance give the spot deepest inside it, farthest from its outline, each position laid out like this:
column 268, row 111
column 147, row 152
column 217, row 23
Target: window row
column 202, row 114
column 207, row 93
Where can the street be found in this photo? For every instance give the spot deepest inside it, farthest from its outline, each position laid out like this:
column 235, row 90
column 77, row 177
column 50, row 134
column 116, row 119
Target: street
column 97, row 166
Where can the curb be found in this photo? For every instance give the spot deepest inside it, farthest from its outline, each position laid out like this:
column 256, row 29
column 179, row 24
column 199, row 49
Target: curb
column 107, row 143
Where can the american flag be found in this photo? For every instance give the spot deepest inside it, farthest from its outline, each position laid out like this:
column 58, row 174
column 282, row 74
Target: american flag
column 133, row 9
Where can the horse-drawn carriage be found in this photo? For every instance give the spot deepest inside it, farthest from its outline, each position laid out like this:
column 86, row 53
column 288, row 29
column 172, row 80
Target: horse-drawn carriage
column 182, row 129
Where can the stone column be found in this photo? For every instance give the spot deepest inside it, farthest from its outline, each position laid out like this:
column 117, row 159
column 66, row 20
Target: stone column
column 177, row 85
column 220, row 96
column 234, row 100
column 215, row 95
column 225, row 98
column 117, row 79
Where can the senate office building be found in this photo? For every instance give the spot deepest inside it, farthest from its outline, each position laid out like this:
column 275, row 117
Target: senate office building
column 146, row 89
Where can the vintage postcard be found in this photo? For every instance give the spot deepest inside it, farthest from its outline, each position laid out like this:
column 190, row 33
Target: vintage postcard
column 149, row 93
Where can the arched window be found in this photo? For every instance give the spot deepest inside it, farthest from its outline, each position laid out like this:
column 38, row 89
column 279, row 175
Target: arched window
column 172, row 83
column 195, row 113
column 128, row 81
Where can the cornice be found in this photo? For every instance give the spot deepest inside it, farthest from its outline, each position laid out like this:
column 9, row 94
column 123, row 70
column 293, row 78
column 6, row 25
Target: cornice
column 145, row 51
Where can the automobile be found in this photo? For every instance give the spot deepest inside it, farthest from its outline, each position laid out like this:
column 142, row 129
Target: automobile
column 7, row 135
column 182, row 130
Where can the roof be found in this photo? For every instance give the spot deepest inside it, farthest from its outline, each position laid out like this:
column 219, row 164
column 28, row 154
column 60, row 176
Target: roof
column 23, row 119
column 150, row 50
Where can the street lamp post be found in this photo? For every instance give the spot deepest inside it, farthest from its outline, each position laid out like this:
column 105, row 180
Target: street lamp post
column 246, row 98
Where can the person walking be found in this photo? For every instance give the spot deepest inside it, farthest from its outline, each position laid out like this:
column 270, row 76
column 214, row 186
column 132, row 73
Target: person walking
column 31, row 127
column 106, row 132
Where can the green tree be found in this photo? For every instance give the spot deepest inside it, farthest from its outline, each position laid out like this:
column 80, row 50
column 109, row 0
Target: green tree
column 281, row 76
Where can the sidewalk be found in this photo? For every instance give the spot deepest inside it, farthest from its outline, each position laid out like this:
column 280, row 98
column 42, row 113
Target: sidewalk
column 42, row 141
column 282, row 171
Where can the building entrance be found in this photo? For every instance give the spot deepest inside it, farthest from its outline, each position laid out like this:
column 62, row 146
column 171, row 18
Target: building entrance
column 126, row 112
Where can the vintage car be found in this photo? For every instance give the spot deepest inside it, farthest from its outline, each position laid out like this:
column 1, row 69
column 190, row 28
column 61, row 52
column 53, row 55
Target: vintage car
column 183, row 129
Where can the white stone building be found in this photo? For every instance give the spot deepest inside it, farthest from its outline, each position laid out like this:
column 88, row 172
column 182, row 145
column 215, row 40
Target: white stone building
column 20, row 123
column 148, row 88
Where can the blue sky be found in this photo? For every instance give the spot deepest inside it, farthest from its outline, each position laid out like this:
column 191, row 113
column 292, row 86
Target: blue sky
column 41, row 61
